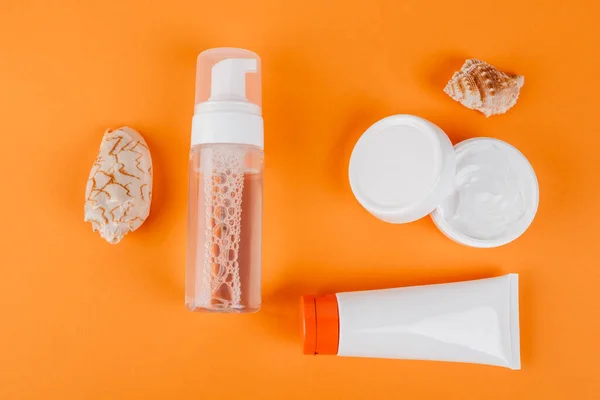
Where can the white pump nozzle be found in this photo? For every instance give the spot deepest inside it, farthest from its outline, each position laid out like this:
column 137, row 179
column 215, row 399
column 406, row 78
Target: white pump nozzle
column 228, row 82
column 227, row 110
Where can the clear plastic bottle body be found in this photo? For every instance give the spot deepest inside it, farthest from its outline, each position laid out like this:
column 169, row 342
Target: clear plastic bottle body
column 224, row 228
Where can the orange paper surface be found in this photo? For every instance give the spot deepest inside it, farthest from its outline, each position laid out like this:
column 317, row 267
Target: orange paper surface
column 81, row 319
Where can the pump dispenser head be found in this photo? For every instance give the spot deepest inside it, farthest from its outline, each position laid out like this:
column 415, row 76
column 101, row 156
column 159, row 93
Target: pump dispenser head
column 225, row 76
column 228, row 81
column 228, row 98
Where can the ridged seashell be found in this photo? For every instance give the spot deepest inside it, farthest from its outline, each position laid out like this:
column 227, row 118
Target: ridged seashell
column 480, row 86
column 119, row 189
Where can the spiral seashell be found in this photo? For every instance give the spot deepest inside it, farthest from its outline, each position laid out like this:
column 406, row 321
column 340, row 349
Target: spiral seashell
column 480, row 86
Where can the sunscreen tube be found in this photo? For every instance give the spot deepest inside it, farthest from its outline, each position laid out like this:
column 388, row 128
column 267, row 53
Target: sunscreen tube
column 473, row 322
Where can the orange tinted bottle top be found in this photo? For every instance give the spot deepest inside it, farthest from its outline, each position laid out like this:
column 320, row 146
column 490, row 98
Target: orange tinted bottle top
column 321, row 324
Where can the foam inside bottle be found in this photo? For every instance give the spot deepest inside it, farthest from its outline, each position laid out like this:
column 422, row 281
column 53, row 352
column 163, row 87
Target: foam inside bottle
column 224, row 185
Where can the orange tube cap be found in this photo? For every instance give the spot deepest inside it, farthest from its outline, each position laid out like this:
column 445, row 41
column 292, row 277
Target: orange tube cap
column 321, row 324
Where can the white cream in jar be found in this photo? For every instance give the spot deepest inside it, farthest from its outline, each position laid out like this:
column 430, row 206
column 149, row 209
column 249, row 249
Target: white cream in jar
column 495, row 195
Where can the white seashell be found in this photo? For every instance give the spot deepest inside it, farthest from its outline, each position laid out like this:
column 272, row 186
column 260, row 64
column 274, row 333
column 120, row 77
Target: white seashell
column 119, row 189
column 480, row 86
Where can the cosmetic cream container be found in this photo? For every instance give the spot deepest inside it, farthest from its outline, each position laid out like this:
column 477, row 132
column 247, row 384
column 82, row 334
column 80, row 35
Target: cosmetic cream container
column 481, row 193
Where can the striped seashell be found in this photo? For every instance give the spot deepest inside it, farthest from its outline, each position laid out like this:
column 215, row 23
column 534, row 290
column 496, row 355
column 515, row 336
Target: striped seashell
column 480, row 86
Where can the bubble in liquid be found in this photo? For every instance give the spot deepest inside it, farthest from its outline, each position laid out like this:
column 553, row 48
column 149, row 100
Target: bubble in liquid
column 217, row 270
column 215, row 250
column 232, row 256
column 220, row 178
column 220, row 230
column 226, row 293
column 220, row 213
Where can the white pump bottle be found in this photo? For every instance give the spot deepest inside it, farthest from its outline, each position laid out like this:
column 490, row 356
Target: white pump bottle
column 226, row 184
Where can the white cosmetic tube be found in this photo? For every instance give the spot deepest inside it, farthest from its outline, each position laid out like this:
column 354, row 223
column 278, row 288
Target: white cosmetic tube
column 473, row 322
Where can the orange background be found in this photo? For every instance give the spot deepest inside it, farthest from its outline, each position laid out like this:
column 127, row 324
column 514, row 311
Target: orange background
column 81, row 319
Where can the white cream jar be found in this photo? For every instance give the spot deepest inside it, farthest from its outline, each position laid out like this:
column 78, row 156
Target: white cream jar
column 483, row 193
column 495, row 195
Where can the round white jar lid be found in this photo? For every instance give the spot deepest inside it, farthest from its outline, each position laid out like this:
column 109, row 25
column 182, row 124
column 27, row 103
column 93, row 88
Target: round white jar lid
column 495, row 195
column 402, row 168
